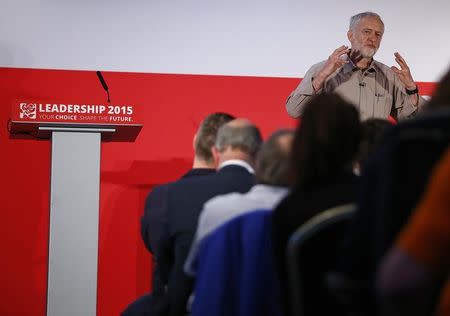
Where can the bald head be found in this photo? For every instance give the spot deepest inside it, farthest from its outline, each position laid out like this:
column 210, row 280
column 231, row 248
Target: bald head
column 240, row 122
column 239, row 135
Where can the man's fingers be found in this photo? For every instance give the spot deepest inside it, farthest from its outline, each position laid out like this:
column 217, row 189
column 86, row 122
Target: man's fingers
column 402, row 66
column 395, row 69
column 343, row 47
column 339, row 53
column 397, row 55
column 341, row 62
column 340, row 50
column 400, row 60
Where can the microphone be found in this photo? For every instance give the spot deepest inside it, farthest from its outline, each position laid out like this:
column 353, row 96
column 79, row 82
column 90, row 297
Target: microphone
column 362, row 84
column 103, row 82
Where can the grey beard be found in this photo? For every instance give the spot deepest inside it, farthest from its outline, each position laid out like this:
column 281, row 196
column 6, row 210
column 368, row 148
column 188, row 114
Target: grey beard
column 366, row 53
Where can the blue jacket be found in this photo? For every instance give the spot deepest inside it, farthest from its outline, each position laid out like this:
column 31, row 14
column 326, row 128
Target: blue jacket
column 236, row 272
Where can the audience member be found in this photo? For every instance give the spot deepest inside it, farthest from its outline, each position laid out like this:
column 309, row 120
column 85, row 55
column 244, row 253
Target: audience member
column 272, row 177
column 235, row 150
column 155, row 213
column 420, row 258
column 324, row 148
column 392, row 183
column 409, row 272
column 441, row 96
column 372, row 136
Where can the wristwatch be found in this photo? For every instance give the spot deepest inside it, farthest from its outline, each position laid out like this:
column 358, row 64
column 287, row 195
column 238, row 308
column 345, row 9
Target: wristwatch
column 411, row 92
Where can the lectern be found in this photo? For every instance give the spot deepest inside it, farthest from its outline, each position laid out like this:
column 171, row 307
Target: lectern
column 76, row 132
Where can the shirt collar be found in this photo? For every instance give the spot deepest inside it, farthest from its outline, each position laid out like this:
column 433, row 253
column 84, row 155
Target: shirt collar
column 238, row 162
column 266, row 187
column 350, row 66
column 198, row 172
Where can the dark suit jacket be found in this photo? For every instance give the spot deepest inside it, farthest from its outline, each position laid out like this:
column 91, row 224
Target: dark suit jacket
column 152, row 227
column 185, row 201
column 155, row 211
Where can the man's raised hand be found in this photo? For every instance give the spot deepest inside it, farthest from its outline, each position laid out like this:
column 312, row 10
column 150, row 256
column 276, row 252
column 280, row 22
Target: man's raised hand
column 403, row 73
column 335, row 61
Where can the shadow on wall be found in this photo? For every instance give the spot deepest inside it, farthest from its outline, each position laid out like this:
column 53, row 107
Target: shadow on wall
column 147, row 173
column 123, row 258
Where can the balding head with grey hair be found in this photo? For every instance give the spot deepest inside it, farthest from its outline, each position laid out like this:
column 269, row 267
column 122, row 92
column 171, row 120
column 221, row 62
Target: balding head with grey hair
column 239, row 135
column 272, row 163
column 354, row 20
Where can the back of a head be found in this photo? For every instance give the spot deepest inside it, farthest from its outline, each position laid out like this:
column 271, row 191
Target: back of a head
column 441, row 96
column 272, row 164
column 239, row 134
column 207, row 133
column 326, row 141
column 373, row 131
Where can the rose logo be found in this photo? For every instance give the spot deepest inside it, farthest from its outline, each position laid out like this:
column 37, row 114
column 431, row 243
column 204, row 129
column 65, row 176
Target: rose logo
column 27, row 110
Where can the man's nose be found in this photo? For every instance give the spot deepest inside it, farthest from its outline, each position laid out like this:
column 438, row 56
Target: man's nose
column 372, row 37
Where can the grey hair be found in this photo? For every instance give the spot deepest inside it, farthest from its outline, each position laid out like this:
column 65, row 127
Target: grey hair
column 272, row 163
column 354, row 20
column 244, row 137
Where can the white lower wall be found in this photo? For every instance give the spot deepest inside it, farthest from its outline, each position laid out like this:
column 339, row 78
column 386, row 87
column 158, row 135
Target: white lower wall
column 256, row 38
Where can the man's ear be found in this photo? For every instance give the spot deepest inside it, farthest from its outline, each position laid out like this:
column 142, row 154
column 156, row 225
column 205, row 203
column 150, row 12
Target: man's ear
column 350, row 36
column 194, row 141
column 216, row 156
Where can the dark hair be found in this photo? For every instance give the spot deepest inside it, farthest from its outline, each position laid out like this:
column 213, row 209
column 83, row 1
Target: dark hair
column 326, row 140
column 207, row 133
column 441, row 96
column 272, row 163
column 372, row 136
column 239, row 134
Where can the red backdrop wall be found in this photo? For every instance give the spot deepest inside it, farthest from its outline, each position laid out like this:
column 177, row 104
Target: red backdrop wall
column 170, row 107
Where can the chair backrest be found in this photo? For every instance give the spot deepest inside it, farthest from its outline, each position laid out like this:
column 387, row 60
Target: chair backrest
column 392, row 182
column 413, row 150
column 311, row 253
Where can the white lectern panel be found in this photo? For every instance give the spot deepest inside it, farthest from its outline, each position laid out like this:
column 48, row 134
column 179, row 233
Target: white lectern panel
column 74, row 220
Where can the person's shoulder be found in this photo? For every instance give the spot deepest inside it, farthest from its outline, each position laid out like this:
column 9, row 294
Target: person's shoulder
column 183, row 182
column 317, row 66
column 198, row 172
column 158, row 190
column 217, row 210
column 223, row 200
column 384, row 68
column 192, row 176
column 286, row 208
column 233, row 170
column 189, row 184
column 320, row 63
